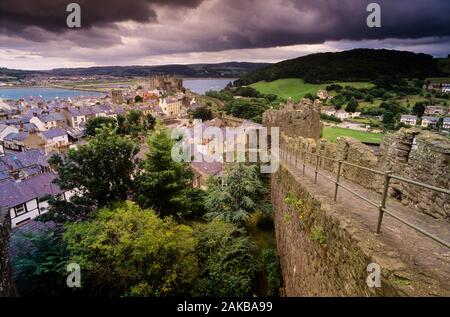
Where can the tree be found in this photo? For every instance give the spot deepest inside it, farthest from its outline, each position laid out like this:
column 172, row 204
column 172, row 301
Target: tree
column 134, row 123
column 164, row 184
column 128, row 251
column 418, row 109
column 100, row 171
column 202, row 113
column 40, row 262
column 93, row 124
column 240, row 193
column 352, row 105
column 228, row 260
column 389, row 120
column 337, row 101
column 138, row 99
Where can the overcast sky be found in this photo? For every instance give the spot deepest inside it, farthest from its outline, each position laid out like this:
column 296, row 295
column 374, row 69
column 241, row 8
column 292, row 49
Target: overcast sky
column 34, row 35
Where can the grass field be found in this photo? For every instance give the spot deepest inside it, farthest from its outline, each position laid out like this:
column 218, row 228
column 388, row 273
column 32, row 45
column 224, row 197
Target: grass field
column 297, row 88
column 331, row 133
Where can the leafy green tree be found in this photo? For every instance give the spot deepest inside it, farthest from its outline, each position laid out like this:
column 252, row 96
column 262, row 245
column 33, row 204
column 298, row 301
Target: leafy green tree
column 352, row 105
column 237, row 196
column 100, row 171
column 135, row 123
column 228, row 260
column 128, row 251
column 93, row 124
column 202, row 113
column 40, row 263
column 164, row 184
column 419, row 109
column 138, row 99
column 337, row 101
column 272, row 271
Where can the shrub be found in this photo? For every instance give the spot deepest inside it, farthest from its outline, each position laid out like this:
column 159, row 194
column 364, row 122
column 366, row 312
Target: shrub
column 272, row 271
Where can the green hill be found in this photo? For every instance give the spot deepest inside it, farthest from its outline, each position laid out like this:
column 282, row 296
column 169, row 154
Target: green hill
column 296, row 88
column 353, row 65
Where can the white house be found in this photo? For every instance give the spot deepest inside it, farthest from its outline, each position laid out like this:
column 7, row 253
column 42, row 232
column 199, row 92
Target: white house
column 427, row 121
column 7, row 129
column 75, row 117
column 48, row 121
column 55, row 138
column 446, row 123
column 329, row 111
column 27, row 199
column 408, row 119
column 342, row 114
column 170, row 106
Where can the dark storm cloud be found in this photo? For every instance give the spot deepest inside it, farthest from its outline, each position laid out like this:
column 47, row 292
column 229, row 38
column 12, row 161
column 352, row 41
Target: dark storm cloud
column 147, row 31
column 289, row 22
column 258, row 23
column 50, row 15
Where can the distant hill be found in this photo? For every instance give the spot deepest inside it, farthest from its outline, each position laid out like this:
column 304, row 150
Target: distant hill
column 225, row 70
column 353, row 65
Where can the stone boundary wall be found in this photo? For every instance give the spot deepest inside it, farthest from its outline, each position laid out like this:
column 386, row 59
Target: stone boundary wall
column 411, row 153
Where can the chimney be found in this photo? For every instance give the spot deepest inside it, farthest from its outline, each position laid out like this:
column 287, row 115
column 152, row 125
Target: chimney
column 21, row 126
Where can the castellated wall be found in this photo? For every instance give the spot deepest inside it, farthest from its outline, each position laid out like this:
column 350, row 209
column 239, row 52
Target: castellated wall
column 422, row 156
column 336, row 265
column 6, row 284
column 294, row 119
column 411, row 153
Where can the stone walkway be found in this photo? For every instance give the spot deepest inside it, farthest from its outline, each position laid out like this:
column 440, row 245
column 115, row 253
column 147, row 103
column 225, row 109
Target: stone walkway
column 426, row 255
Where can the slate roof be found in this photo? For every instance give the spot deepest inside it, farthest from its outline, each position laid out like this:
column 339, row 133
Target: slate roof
column 431, row 119
column 54, row 116
column 21, row 244
column 13, row 193
column 53, row 133
column 408, row 117
column 211, row 169
column 31, row 162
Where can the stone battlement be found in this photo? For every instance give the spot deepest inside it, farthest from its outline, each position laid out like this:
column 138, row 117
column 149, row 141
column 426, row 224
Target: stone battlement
column 293, row 119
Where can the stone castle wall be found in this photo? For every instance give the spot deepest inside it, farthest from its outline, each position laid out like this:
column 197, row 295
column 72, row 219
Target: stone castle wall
column 414, row 154
column 422, row 156
column 6, row 283
column 335, row 265
column 293, row 119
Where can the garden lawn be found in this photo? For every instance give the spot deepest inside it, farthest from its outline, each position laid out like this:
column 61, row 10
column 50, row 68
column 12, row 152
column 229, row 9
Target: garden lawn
column 297, row 88
column 331, row 133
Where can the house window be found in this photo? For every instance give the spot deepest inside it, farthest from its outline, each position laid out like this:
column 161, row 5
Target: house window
column 20, row 210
